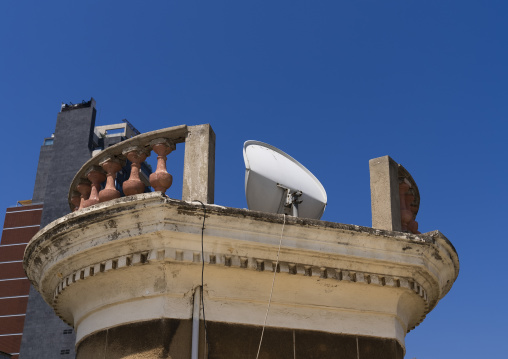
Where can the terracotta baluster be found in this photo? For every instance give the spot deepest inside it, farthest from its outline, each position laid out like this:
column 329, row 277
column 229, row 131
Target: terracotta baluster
column 413, row 227
column 161, row 180
column 75, row 200
column 134, row 185
column 96, row 176
column 84, row 189
column 413, row 224
column 405, row 213
column 111, row 165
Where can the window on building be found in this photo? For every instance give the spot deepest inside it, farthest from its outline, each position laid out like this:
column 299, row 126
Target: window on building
column 67, row 331
column 48, row 142
column 115, row 131
column 65, row 351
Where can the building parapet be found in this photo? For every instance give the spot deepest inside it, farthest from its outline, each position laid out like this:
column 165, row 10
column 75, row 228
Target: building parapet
column 127, row 260
column 332, row 277
column 198, row 184
column 395, row 197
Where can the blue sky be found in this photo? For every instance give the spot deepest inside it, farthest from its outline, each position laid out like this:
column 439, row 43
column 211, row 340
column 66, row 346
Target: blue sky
column 332, row 83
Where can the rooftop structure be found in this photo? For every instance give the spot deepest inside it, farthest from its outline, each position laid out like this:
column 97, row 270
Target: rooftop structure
column 141, row 275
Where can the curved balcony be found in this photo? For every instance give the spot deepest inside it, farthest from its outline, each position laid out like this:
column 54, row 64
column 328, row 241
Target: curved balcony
column 139, row 261
column 409, row 197
column 86, row 188
column 127, row 271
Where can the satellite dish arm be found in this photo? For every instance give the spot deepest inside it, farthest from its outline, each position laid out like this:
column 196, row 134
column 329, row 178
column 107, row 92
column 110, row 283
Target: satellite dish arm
column 290, row 201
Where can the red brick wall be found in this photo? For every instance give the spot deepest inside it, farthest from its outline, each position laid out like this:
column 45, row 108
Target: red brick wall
column 14, row 288
column 11, row 325
column 13, row 306
column 22, row 216
column 11, row 253
column 11, row 270
column 19, row 235
column 11, row 267
column 11, row 344
column 20, row 208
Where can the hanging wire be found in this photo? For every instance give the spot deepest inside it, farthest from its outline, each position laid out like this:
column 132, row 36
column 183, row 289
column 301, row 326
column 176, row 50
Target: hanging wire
column 271, row 290
column 202, row 278
column 294, row 345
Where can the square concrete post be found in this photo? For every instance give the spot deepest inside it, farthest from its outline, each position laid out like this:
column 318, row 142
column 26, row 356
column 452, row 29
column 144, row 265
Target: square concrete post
column 199, row 164
column 384, row 192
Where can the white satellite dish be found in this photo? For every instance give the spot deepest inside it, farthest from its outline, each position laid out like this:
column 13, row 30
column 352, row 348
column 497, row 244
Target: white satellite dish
column 275, row 182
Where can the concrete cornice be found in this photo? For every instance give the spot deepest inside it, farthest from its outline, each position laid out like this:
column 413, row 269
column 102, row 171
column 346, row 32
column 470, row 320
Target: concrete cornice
column 150, row 246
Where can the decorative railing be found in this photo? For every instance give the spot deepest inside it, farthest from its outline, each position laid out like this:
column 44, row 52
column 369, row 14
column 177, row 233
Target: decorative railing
column 395, row 198
column 86, row 187
column 409, row 201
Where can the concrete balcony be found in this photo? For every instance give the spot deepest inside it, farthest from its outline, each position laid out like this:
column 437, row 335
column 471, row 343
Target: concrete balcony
column 96, row 181
column 124, row 272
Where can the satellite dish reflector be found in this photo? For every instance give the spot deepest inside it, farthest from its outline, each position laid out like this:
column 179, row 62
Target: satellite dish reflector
column 277, row 183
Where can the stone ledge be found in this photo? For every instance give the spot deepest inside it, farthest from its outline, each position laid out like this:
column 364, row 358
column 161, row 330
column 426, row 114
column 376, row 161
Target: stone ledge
column 239, row 262
column 150, row 246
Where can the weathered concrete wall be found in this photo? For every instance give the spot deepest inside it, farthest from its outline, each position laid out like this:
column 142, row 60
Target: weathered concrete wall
column 242, row 341
column 384, row 191
column 41, row 178
column 164, row 338
column 58, row 164
column 139, row 260
column 43, row 333
column 170, row 338
column 72, row 147
column 199, row 164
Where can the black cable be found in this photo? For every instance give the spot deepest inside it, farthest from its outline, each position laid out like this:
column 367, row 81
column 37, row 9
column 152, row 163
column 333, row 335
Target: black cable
column 202, row 278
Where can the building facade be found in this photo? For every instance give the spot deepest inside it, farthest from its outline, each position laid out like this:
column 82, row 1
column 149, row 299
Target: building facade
column 118, row 272
column 20, row 225
column 146, row 276
column 26, row 320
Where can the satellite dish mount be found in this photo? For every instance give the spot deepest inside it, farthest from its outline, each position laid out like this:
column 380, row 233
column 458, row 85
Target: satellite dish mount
column 290, row 201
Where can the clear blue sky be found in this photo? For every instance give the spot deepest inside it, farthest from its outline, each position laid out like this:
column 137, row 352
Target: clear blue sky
column 332, row 83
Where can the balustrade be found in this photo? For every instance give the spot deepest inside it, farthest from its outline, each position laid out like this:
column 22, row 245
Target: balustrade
column 405, row 213
column 84, row 189
column 134, row 185
column 409, row 202
column 96, row 176
column 102, row 170
column 111, row 165
column 161, row 180
column 75, row 200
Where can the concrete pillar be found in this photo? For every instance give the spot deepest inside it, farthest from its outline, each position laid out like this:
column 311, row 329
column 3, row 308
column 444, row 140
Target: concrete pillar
column 384, row 192
column 199, row 164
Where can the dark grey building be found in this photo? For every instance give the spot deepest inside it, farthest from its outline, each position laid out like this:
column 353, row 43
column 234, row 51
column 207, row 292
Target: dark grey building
column 76, row 138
